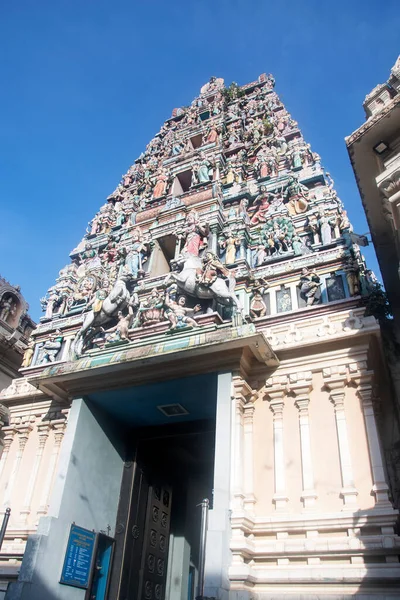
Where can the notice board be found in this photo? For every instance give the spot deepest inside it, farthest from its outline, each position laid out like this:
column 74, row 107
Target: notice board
column 78, row 557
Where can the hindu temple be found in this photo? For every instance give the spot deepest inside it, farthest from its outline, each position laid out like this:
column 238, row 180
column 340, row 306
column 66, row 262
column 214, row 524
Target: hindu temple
column 208, row 343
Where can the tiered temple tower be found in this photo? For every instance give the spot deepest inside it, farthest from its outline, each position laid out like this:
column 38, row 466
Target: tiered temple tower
column 219, row 283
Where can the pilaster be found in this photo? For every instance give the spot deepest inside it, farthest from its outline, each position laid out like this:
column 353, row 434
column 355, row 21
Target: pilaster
column 43, row 433
column 58, row 427
column 336, row 386
column 380, row 489
column 276, row 395
column 300, row 386
column 23, row 432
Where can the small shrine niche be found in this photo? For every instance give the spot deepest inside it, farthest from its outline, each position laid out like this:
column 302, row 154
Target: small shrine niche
column 10, row 309
column 284, row 300
column 335, row 287
column 162, row 255
column 182, row 183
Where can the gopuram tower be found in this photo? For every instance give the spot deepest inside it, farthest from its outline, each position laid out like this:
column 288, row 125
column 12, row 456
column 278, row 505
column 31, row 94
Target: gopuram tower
column 209, row 338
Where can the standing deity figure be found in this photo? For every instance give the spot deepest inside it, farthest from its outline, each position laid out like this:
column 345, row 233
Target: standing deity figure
column 325, row 225
column 258, row 308
column 8, row 308
column 136, row 254
column 28, row 355
column 204, row 170
column 309, row 286
column 352, row 270
column 261, row 204
column 193, row 233
column 51, row 348
column 211, row 135
column 230, row 244
column 51, row 303
column 161, row 184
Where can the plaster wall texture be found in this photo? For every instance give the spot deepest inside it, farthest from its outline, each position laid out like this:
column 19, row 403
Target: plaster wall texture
column 86, row 491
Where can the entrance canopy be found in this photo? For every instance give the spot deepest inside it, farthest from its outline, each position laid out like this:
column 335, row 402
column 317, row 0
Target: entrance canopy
column 240, row 349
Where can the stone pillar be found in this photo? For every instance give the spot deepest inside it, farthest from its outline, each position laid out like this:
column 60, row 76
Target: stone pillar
column 276, row 403
column 301, row 391
column 336, row 387
column 380, row 489
column 59, row 429
column 218, row 554
column 43, row 433
column 23, row 434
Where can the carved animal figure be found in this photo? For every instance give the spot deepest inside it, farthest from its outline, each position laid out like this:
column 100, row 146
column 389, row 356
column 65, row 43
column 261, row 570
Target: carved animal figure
column 188, row 283
column 117, row 300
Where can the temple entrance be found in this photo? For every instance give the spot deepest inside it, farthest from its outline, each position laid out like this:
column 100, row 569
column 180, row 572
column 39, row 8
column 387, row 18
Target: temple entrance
column 173, row 468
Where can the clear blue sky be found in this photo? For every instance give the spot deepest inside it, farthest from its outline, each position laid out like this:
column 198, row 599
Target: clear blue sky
column 87, row 83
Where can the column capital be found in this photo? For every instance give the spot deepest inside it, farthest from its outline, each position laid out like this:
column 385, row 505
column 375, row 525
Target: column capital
column 23, row 434
column 240, row 387
column 58, row 427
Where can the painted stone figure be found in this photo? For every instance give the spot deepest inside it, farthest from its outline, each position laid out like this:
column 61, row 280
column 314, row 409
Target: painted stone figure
column 178, row 313
column 8, row 308
column 121, row 330
column 258, row 308
column 136, row 255
column 325, row 225
column 203, row 170
column 161, row 184
column 193, row 233
column 28, row 355
column 261, row 204
column 309, row 286
column 51, row 348
column 296, row 195
column 230, row 244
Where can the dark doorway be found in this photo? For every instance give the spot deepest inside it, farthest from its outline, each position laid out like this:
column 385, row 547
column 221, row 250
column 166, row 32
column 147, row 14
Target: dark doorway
column 172, row 471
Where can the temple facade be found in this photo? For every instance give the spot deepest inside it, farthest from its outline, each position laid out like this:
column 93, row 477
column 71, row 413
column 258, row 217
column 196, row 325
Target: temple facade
column 210, row 338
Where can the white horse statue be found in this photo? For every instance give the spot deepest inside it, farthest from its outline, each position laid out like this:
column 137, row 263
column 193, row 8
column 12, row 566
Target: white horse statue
column 188, row 282
column 116, row 300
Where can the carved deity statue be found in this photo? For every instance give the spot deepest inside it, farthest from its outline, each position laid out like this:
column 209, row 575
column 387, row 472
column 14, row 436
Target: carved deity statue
column 8, row 308
column 309, row 286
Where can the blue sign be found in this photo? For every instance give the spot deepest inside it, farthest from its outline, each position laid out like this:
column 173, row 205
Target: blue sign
column 78, row 557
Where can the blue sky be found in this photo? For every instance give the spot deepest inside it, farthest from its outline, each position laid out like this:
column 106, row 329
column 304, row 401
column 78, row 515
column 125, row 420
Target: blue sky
column 87, row 83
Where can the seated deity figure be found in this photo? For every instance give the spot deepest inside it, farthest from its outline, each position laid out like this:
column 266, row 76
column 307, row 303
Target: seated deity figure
column 297, row 197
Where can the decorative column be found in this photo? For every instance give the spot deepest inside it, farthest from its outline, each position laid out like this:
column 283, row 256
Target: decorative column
column 276, row 403
column 59, row 428
column 9, row 432
column 239, row 400
column 43, row 433
column 301, row 389
column 380, row 489
column 23, row 432
column 213, row 239
column 248, row 417
column 336, row 387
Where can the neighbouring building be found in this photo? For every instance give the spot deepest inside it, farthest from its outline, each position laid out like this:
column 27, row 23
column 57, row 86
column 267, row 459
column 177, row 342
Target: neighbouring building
column 15, row 329
column 374, row 150
column 208, row 339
